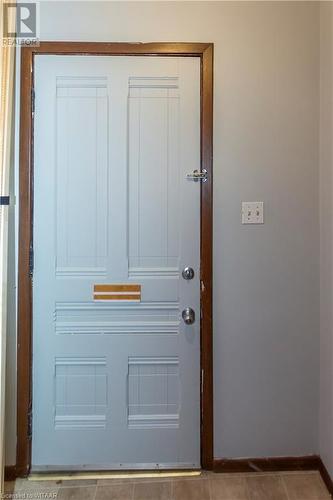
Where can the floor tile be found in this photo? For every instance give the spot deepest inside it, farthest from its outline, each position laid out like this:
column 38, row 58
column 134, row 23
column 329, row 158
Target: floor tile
column 78, row 493
column 191, row 490
column 266, row 488
column 228, row 488
column 208, row 486
column 35, row 489
column 305, row 487
column 26, row 484
column 115, row 492
column 153, row 491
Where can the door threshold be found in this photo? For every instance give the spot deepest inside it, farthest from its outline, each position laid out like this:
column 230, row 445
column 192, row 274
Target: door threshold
column 70, row 476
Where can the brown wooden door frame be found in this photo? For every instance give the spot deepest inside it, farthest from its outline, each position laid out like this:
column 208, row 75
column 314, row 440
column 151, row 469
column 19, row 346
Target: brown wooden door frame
column 24, row 338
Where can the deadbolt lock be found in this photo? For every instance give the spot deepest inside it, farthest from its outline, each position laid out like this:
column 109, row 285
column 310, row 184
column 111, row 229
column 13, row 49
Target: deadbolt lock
column 188, row 273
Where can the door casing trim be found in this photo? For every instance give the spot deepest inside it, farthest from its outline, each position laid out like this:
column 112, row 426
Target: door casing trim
column 26, row 137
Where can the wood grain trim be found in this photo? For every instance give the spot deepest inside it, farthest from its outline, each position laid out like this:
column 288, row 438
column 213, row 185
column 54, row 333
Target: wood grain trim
column 207, row 259
column 24, row 332
column 268, row 464
column 117, row 288
column 10, row 473
column 121, row 49
column 24, row 354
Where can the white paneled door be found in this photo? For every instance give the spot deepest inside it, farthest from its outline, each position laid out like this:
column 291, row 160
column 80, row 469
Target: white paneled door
column 116, row 353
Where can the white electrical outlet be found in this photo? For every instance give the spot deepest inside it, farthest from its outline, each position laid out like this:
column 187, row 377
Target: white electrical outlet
column 252, row 212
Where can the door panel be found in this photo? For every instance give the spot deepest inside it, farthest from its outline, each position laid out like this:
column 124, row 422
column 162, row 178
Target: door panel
column 82, row 160
column 116, row 373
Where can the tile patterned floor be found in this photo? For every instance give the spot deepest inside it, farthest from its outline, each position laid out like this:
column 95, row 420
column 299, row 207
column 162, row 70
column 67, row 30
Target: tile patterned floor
column 208, row 486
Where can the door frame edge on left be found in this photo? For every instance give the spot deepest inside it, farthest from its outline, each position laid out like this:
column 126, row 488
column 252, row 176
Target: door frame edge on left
column 25, row 255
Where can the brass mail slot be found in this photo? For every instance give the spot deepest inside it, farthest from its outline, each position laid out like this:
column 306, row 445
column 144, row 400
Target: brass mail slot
column 118, row 292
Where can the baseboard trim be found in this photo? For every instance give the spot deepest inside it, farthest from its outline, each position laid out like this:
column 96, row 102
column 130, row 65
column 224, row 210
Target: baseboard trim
column 326, row 477
column 269, row 464
column 10, row 473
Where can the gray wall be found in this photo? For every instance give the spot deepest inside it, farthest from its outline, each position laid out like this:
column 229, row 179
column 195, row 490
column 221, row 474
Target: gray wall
column 10, row 416
column 326, row 235
column 266, row 278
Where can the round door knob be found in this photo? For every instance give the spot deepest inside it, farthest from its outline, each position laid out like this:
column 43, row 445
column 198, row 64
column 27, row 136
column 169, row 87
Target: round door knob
column 188, row 273
column 188, row 316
